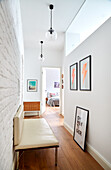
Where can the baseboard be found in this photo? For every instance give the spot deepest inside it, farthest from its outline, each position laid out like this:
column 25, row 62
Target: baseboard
column 68, row 128
column 105, row 164
column 14, row 161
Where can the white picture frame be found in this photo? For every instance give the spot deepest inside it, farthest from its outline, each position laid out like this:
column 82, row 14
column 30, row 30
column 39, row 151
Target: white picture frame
column 32, row 85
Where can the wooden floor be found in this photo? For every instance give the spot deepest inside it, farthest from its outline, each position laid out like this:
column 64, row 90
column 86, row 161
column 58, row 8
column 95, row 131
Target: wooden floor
column 70, row 156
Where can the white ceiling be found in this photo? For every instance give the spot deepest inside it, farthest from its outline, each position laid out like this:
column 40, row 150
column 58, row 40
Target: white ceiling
column 35, row 20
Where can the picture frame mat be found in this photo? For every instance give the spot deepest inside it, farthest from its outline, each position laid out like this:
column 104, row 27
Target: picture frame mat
column 76, row 76
column 88, row 84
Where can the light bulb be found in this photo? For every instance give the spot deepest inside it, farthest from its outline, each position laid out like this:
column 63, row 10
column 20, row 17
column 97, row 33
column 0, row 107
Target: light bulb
column 41, row 58
column 51, row 35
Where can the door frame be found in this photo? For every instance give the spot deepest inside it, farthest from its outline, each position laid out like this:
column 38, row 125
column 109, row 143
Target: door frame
column 42, row 91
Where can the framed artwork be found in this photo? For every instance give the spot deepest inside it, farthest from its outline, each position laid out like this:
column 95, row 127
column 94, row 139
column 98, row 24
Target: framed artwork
column 80, row 127
column 74, row 77
column 32, row 85
column 56, row 84
column 85, row 73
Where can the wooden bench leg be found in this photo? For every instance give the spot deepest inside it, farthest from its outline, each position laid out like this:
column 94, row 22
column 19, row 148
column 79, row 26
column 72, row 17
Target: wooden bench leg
column 18, row 160
column 56, row 156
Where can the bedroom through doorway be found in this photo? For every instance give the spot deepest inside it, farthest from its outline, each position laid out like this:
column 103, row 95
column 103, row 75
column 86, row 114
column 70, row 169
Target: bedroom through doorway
column 51, row 88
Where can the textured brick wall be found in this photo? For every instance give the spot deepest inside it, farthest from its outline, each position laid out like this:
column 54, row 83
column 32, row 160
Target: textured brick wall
column 10, row 76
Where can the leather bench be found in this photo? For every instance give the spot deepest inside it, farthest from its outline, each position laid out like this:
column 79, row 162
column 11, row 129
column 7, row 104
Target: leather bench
column 32, row 134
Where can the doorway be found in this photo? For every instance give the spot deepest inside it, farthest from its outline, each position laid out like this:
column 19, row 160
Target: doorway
column 51, row 91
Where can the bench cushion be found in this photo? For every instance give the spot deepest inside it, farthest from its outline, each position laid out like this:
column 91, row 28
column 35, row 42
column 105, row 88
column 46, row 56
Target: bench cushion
column 36, row 133
column 18, row 125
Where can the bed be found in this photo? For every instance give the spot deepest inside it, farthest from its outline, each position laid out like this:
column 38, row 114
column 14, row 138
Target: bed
column 53, row 100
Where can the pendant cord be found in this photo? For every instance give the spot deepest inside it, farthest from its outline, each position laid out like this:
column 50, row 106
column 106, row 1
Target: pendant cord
column 51, row 19
column 41, row 48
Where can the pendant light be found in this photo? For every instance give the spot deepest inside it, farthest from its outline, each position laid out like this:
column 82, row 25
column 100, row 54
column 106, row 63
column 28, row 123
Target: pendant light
column 41, row 57
column 51, row 33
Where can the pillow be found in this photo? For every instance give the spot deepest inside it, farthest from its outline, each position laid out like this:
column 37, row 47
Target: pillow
column 52, row 94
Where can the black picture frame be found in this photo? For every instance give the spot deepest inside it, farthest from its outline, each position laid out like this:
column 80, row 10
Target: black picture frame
column 74, row 76
column 80, row 126
column 85, row 74
column 32, row 85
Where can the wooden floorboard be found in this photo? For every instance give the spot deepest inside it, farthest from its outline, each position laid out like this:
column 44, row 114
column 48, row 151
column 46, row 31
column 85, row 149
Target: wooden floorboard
column 70, row 155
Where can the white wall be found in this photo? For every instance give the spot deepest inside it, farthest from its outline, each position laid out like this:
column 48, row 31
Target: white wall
column 90, row 17
column 33, row 68
column 11, row 70
column 52, row 75
column 98, row 100
column 72, row 39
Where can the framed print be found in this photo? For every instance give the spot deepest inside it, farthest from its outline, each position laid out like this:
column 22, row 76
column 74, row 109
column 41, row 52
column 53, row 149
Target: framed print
column 85, row 73
column 80, row 127
column 32, row 85
column 74, row 77
column 56, row 84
